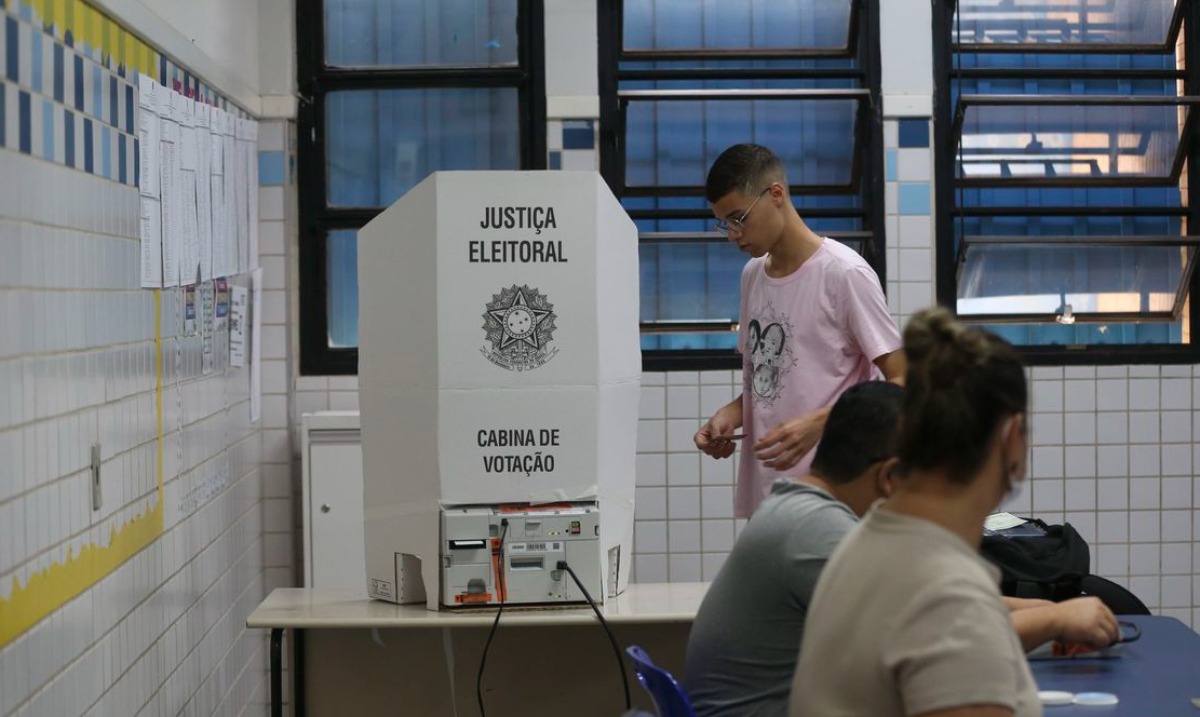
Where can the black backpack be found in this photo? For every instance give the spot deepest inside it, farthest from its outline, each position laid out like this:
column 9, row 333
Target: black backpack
column 1047, row 567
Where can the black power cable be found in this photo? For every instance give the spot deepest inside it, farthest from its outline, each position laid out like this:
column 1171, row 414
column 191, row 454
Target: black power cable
column 500, row 589
column 562, row 565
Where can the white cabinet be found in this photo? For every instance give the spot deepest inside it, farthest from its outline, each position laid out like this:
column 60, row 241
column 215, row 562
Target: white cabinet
column 331, row 454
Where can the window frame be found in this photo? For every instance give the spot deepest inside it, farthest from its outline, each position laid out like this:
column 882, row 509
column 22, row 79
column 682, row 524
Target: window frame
column 315, row 80
column 867, row 163
column 948, row 212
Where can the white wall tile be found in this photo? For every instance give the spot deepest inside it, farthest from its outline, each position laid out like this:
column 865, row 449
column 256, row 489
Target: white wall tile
column 1112, row 560
column 717, row 535
column 683, row 401
column 685, row 568
column 716, row 501
column 1079, row 428
column 650, row 536
column 1048, row 495
column 1144, row 493
column 651, row 469
column 684, row 468
column 1080, row 395
column 718, row 471
column 681, row 434
column 1080, row 461
column 683, row 503
column 1144, row 393
column 1080, row 494
column 1046, row 396
column 652, row 436
column 650, row 568
column 1112, row 394
column 1176, row 426
column 684, row 536
column 653, row 402
column 651, row 503
column 1112, row 527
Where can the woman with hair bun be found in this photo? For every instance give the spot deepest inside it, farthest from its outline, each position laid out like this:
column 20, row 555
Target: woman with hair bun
column 907, row 618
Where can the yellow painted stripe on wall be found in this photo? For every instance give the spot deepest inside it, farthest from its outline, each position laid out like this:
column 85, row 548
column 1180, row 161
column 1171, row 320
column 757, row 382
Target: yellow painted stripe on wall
column 51, row 588
column 60, row 18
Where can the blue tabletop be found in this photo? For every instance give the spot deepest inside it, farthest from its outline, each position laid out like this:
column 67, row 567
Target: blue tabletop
column 1157, row 676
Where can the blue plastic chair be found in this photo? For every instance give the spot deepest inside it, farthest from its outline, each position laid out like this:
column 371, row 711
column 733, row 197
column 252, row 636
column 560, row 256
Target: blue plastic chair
column 669, row 698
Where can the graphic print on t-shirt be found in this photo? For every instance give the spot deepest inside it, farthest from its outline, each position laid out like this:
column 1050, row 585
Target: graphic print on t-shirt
column 771, row 357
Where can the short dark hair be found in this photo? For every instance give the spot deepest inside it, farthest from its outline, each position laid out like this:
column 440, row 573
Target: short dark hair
column 746, row 168
column 863, row 429
column 961, row 384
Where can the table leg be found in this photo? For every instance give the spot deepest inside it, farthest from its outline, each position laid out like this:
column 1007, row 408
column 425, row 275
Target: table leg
column 277, row 672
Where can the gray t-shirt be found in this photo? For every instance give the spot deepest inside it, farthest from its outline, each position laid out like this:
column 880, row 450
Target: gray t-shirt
column 746, row 638
column 908, row 619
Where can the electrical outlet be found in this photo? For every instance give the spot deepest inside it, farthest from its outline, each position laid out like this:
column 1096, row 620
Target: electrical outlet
column 96, row 497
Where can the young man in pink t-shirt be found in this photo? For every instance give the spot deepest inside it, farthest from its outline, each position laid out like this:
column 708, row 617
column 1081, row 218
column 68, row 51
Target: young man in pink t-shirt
column 813, row 323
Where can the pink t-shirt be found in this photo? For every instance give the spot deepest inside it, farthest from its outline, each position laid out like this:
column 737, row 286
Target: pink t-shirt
column 804, row 338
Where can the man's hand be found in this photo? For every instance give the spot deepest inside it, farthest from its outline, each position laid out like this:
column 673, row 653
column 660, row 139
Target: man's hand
column 1081, row 621
column 787, row 443
column 715, row 436
column 1086, row 621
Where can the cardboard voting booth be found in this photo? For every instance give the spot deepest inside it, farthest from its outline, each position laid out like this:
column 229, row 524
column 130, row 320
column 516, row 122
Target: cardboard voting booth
column 499, row 365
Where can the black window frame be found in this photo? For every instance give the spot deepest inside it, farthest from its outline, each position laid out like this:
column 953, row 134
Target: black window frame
column 868, row 160
column 1186, row 20
column 315, row 80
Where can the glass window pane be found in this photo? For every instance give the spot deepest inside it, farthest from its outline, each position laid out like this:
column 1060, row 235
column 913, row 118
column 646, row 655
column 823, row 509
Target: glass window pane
column 1064, row 22
column 690, row 282
column 736, row 24
column 1043, row 279
column 676, row 341
column 341, row 280
column 380, row 143
column 1069, row 142
column 1149, row 332
column 674, row 142
column 420, row 33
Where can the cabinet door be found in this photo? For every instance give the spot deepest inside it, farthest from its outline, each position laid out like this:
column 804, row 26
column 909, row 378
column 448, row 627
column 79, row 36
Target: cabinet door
column 336, row 502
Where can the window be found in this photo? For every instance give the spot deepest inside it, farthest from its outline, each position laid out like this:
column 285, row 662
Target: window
column 680, row 81
column 1064, row 163
column 392, row 91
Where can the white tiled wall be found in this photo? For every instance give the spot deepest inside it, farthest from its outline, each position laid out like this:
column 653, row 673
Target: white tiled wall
column 164, row 633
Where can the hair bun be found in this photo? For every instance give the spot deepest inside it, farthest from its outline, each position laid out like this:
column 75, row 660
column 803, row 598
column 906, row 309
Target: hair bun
column 935, row 341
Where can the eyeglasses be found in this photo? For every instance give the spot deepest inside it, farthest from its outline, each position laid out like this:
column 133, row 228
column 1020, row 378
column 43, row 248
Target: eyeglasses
column 738, row 223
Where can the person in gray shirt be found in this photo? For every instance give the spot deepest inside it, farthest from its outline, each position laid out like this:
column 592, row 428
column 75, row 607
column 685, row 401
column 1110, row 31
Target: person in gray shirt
column 745, row 640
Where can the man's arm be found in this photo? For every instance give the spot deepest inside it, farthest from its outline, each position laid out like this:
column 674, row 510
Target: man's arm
column 1083, row 620
column 893, row 366
column 1015, row 603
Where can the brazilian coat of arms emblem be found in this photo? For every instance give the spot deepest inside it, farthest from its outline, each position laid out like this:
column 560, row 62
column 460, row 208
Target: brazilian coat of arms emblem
column 519, row 325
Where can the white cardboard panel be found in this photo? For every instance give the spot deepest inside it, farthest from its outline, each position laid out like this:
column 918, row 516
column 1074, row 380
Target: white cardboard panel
column 506, row 380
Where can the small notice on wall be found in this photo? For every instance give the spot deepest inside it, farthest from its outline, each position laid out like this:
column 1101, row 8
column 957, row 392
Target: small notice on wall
column 239, row 304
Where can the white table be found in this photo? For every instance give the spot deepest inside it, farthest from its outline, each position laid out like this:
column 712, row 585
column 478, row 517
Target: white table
column 352, row 655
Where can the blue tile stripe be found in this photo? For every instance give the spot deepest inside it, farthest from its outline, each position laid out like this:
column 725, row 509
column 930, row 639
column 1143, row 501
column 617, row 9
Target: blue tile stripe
column 35, row 58
column 59, row 74
column 270, row 169
column 24, row 114
column 71, row 103
column 89, row 160
column 47, row 130
column 69, row 137
column 12, row 49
